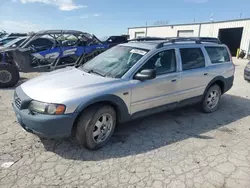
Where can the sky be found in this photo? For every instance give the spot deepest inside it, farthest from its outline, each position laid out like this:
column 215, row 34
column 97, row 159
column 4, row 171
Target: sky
column 113, row 17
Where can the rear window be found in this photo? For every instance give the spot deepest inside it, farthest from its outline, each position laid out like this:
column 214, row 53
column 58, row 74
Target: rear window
column 218, row 54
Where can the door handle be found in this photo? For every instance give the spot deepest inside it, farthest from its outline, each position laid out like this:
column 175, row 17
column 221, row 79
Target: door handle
column 174, row 80
column 205, row 74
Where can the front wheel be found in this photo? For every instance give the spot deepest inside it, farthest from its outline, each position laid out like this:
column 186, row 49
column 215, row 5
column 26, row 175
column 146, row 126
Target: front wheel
column 211, row 100
column 9, row 75
column 95, row 126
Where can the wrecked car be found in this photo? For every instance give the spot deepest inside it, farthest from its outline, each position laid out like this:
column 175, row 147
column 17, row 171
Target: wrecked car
column 115, row 40
column 45, row 51
column 13, row 44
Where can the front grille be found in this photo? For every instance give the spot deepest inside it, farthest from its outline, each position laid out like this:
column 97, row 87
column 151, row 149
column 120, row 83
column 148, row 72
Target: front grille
column 18, row 102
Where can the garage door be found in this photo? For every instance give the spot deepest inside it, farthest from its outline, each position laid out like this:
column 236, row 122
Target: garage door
column 186, row 33
column 139, row 34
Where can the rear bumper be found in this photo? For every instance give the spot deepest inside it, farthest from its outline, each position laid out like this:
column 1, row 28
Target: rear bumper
column 50, row 126
column 228, row 83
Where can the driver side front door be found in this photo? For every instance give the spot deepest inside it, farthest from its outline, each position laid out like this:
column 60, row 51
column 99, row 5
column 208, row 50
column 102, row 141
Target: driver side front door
column 152, row 95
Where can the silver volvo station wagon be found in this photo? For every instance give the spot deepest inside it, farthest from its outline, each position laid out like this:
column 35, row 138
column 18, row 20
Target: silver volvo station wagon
column 126, row 82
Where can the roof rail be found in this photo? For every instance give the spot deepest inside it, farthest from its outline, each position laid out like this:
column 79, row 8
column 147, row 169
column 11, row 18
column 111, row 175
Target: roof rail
column 146, row 39
column 197, row 40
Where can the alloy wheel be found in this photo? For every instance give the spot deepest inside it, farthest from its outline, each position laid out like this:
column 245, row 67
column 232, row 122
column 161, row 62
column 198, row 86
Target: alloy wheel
column 5, row 76
column 102, row 128
column 212, row 99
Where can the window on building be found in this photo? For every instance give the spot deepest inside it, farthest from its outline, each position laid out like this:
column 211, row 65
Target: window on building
column 163, row 62
column 218, row 54
column 192, row 58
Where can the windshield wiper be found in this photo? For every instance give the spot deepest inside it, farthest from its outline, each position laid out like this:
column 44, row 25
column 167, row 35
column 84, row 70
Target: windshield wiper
column 95, row 72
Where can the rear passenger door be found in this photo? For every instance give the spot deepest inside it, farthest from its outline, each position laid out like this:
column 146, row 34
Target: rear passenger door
column 194, row 76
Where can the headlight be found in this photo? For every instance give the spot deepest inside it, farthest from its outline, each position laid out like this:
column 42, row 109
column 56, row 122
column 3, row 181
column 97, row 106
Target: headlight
column 47, row 108
column 248, row 65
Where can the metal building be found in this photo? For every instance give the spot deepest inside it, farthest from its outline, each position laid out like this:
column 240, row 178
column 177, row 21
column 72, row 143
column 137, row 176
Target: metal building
column 234, row 33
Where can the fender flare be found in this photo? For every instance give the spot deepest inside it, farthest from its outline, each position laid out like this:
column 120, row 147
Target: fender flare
column 122, row 110
column 217, row 78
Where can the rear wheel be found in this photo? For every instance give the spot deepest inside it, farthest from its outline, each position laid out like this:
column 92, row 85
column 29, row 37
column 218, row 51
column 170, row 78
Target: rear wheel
column 9, row 75
column 95, row 126
column 211, row 99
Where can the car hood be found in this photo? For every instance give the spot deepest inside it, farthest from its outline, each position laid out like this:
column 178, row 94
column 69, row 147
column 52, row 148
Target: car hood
column 65, row 84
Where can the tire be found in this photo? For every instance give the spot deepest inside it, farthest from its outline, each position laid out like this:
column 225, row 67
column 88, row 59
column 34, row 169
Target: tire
column 210, row 104
column 9, row 75
column 88, row 123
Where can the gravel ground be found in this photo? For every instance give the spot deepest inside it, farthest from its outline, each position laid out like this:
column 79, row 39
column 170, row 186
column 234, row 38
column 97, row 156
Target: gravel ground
column 183, row 148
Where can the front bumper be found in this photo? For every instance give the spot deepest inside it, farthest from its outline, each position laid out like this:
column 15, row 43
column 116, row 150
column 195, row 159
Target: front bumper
column 50, row 126
column 247, row 74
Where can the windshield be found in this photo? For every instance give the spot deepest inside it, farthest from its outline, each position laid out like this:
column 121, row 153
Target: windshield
column 114, row 62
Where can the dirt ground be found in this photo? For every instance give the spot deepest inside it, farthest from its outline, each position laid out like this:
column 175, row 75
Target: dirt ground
column 182, row 148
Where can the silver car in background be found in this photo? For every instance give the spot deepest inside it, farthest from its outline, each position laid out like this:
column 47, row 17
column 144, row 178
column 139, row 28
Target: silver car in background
column 126, row 82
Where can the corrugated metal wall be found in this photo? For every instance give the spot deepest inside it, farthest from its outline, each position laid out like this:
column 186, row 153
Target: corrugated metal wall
column 205, row 29
column 172, row 31
column 212, row 30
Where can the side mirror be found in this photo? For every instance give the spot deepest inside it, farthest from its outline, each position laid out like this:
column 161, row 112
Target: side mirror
column 13, row 46
column 146, row 74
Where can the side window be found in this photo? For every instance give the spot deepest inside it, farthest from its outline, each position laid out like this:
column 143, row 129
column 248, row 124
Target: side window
column 218, row 54
column 19, row 42
column 116, row 40
column 163, row 62
column 119, row 39
column 192, row 58
column 42, row 42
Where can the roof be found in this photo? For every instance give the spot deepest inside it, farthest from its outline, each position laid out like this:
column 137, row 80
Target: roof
column 198, row 23
column 151, row 44
column 148, row 45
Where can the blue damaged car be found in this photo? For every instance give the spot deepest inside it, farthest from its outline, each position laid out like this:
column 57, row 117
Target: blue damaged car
column 45, row 51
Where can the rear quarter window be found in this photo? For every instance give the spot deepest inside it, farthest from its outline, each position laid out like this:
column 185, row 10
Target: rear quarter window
column 218, row 54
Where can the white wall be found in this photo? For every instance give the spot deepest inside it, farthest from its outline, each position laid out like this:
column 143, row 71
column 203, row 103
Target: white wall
column 212, row 30
column 206, row 30
column 170, row 31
